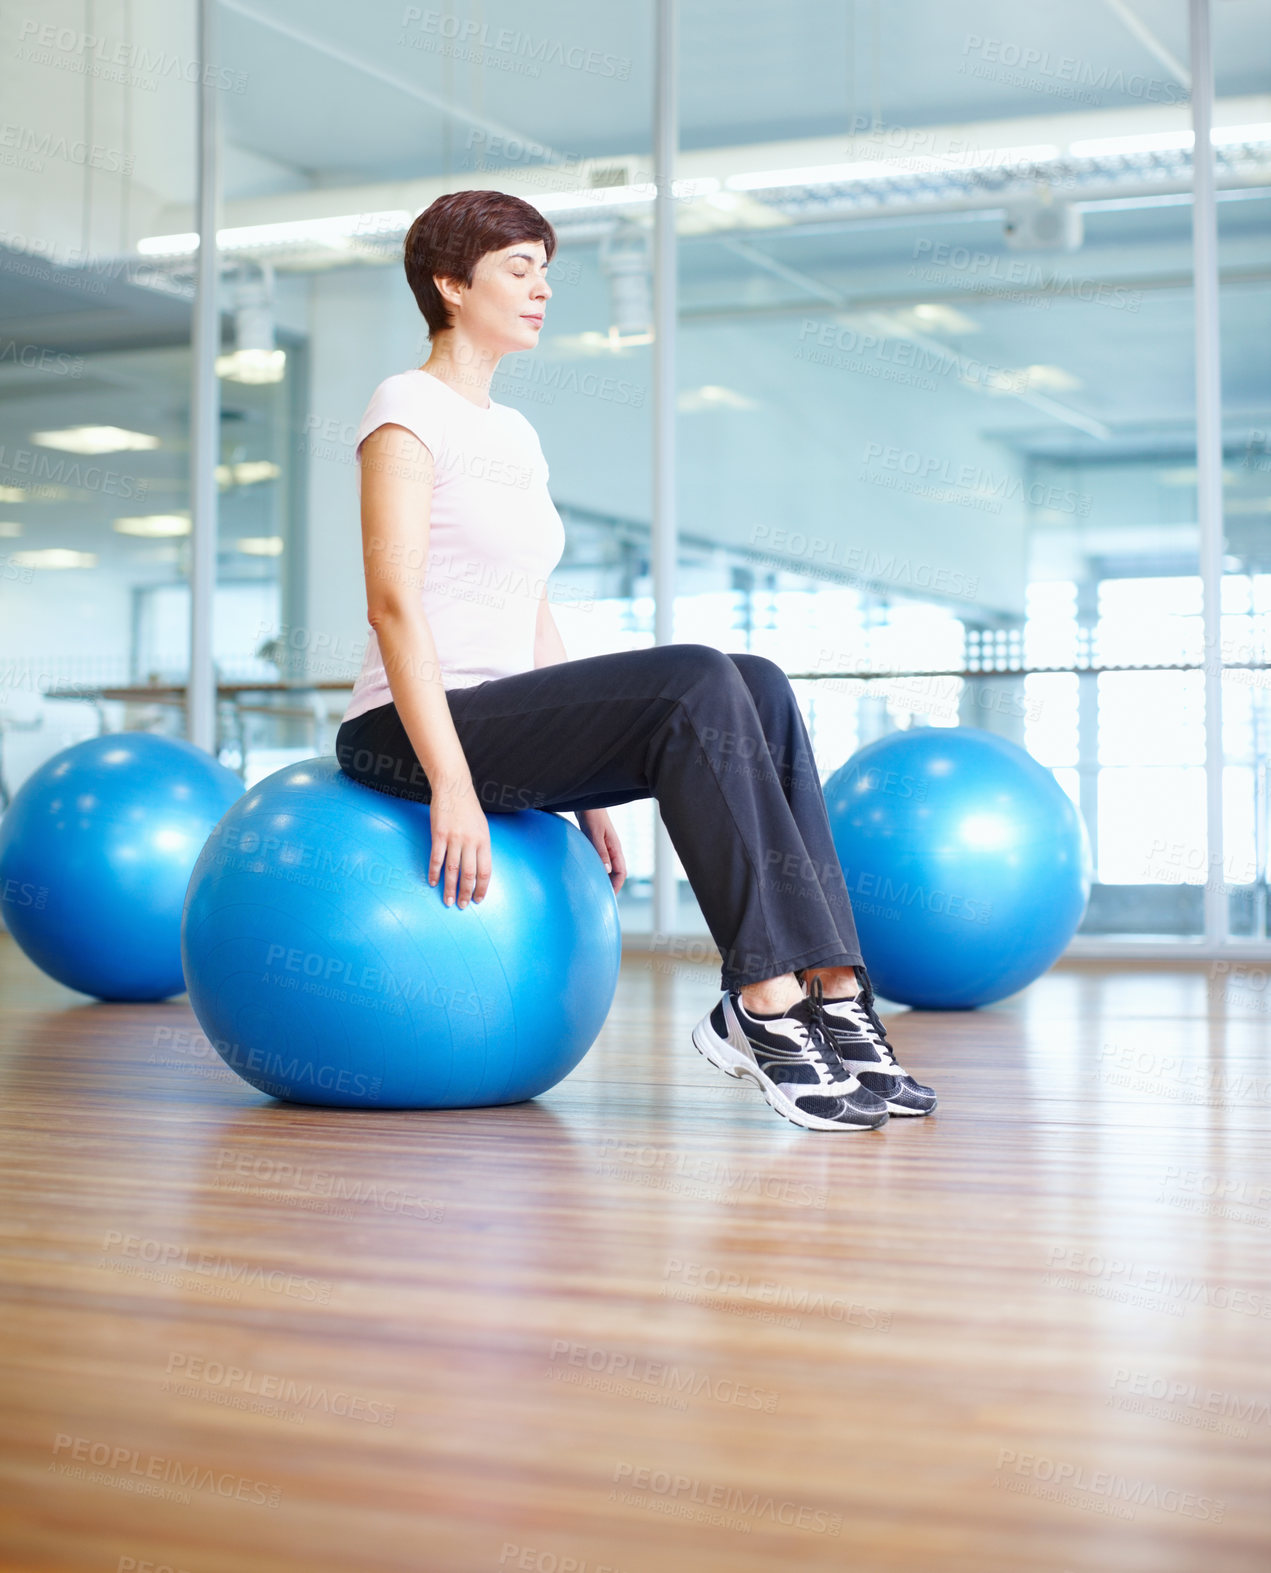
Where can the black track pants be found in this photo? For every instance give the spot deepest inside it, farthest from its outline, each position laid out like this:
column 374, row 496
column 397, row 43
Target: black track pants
column 716, row 738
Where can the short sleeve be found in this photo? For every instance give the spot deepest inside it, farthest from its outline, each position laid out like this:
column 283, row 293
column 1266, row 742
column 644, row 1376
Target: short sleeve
column 399, row 401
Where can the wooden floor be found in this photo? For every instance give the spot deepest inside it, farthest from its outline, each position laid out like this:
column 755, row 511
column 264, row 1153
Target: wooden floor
column 642, row 1324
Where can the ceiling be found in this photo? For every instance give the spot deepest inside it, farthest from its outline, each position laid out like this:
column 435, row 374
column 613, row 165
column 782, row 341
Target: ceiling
column 338, row 97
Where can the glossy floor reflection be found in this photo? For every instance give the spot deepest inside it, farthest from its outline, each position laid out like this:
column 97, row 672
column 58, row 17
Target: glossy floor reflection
column 641, row 1323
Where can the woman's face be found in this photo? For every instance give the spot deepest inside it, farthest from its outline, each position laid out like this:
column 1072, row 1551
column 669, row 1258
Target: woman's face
column 503, row 309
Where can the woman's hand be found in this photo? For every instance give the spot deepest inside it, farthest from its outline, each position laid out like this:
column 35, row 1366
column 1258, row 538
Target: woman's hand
column 598, row 828
column 460, row 841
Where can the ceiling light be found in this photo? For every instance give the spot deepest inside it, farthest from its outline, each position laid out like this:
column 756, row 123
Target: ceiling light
column 155, row 525
column 1224, row 136
column 597, row 196
column 945, row 319
column 259, row 545
column 1142, row 142
column 252, row 366
column 247, row 472
column 94, row 439
column 54, row 557
column 10, row 529
column 1168, row 141
column 1053, row 377
column 713, row 397
column 893, row 169
column 338, row 232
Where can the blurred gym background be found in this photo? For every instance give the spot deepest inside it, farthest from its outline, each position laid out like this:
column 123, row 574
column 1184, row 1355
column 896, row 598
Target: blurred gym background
column 936, row 408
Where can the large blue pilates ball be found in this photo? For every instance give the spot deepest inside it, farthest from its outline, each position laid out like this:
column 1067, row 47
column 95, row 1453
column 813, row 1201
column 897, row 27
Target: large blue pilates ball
column 96, row 851
column 967, row 863
column 325, row 969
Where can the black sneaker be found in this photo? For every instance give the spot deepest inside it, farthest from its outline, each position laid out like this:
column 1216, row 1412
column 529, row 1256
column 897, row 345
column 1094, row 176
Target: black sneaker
column 793, row 1062
column 860, row 1041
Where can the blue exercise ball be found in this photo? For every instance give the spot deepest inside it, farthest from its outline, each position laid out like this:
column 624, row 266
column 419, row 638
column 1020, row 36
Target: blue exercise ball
column 325, row 969
column 967, row 863
column 96, row 851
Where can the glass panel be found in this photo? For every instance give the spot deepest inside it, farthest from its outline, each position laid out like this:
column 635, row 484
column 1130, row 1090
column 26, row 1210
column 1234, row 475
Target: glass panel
column 94, row 390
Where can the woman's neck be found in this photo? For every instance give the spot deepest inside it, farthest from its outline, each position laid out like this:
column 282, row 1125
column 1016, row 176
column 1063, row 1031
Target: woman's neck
column 467, row 372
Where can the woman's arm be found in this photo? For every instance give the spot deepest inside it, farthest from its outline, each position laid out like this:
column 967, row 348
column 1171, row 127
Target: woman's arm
column 549, row 649
column 397, row 485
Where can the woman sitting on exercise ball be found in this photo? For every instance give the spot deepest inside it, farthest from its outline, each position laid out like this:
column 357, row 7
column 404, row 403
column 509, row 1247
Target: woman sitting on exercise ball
column 468, row 701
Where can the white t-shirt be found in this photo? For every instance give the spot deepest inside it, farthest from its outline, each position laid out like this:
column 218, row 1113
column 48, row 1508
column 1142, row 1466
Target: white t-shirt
column 494, row 534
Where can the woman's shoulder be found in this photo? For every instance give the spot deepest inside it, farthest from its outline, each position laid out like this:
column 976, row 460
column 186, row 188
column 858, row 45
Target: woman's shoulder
column 413, row 386
column 406, row 398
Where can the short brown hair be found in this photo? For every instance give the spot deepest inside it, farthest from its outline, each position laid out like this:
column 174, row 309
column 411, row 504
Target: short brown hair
column 453, row 233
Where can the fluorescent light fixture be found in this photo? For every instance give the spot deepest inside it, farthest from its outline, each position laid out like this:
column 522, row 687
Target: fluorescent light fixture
column 1055, row 378
column 893, row 169
column 54, row 557
column 595, row 197
column 686, row 190
column 940, row 318
column 252, row 366
column 95, row 439
column 712, row 397
column 1168, row 141
column 338, row 232
column 1224, row 136
column 247, row 472
column 10, row 529
column 259, row 545
column 154, row 525
column 1144, row 142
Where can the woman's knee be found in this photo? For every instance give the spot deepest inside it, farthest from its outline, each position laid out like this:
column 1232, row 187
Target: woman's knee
column 702, row 665
column 762, row 675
